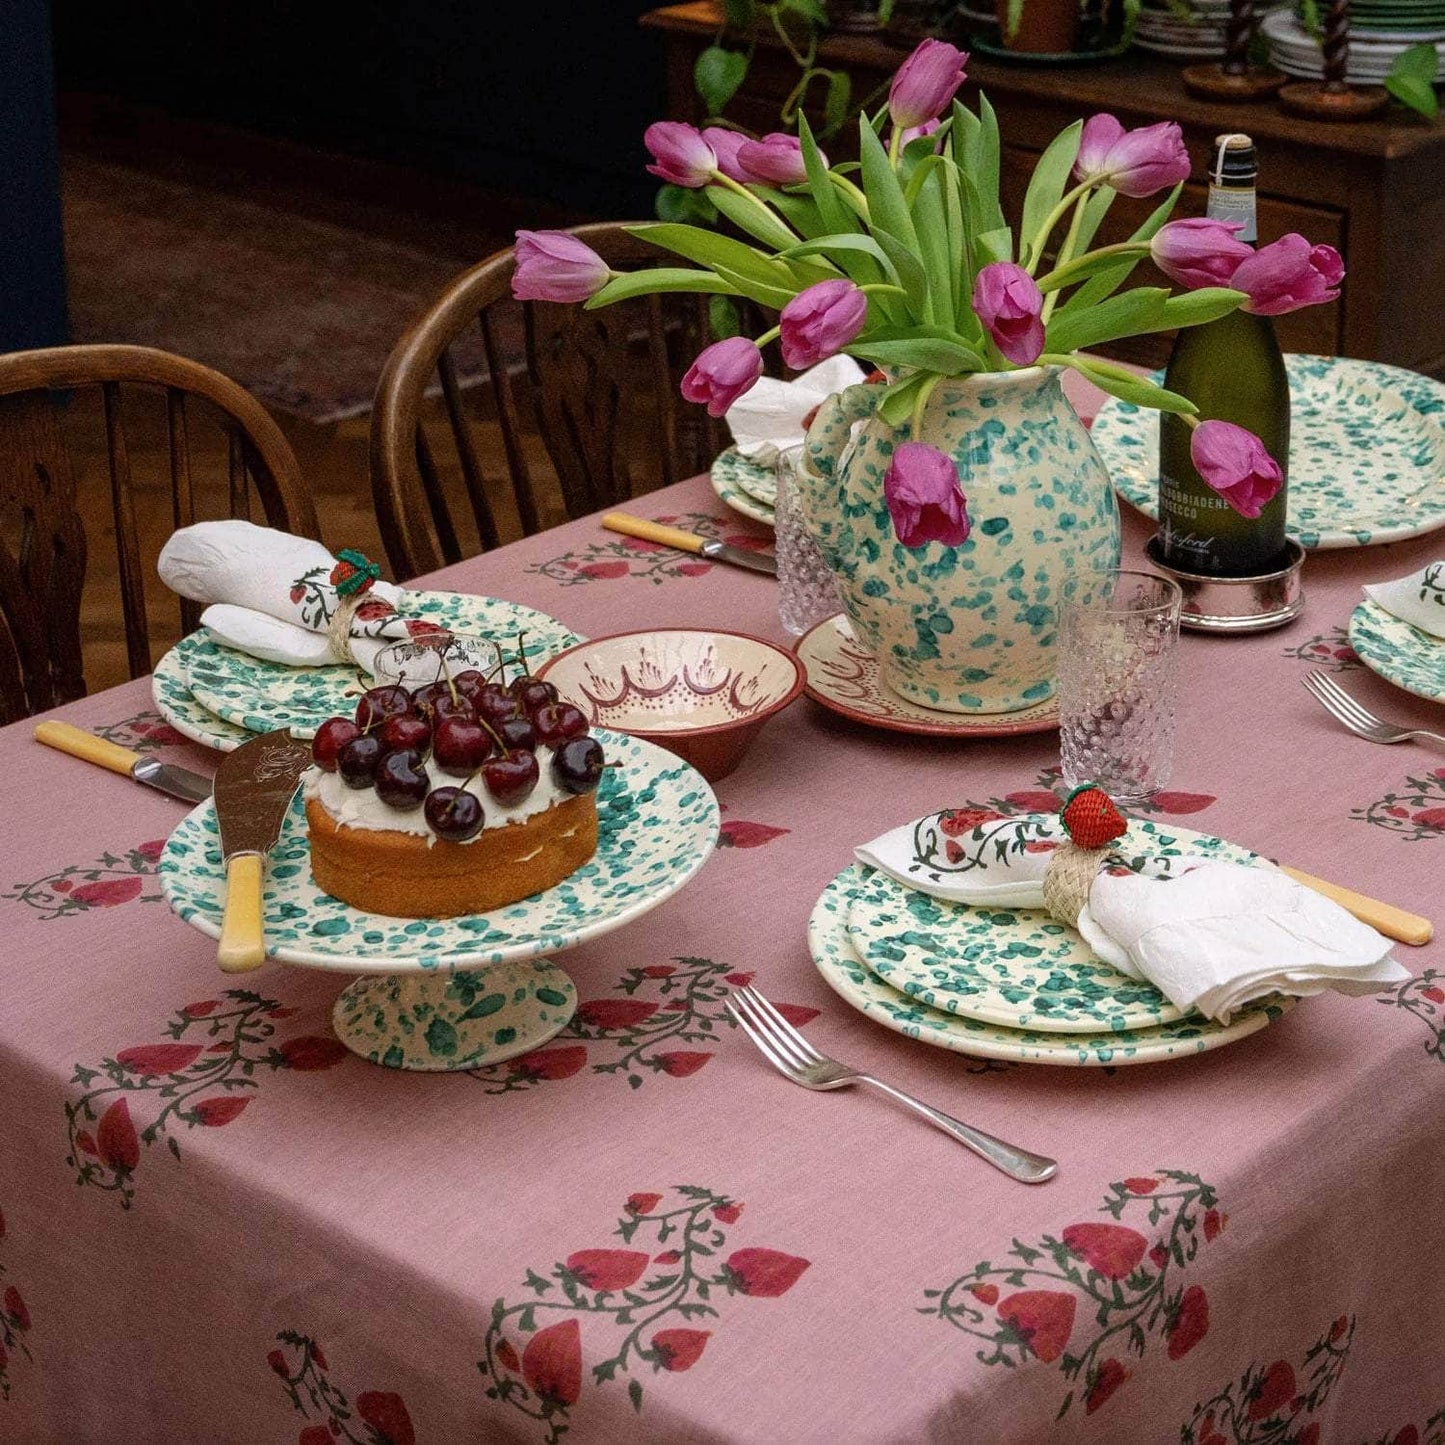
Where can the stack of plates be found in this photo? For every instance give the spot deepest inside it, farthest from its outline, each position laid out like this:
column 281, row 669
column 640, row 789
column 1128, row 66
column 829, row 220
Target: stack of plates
column 1196, row 36
column 219, row 697
column 747, row 487
column 1376, row 38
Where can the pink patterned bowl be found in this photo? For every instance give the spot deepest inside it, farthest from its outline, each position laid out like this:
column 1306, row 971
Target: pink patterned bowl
column 700, row 693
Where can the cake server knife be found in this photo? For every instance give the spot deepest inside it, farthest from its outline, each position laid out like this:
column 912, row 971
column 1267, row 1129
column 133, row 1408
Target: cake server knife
column 714, row 551
column 165, row 777
column 254, row 787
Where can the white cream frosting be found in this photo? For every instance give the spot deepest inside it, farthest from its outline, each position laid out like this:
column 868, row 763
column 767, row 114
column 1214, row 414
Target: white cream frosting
column 362, row 808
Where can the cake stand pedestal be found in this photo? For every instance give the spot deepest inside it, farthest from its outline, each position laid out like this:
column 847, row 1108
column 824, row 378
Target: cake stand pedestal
column 436, row 1021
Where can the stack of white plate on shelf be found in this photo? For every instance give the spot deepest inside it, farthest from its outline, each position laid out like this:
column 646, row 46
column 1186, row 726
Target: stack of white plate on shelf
column 1191, row 30
column 1393, row 26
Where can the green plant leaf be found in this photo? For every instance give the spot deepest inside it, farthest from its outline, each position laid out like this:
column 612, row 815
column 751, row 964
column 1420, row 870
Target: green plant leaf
column 708, row 248
column 1096, row 207
column 660, row 278
column 835, row 102
column 684, row 205
column 948, row 358
column 841, row 247
column 896, row 405
column 1046, row 187
column 717, row 75
column 989, row 162
column 799, row 212
column 835, row 213
column 938, row 261
column 1412, row 79
column 757, row 222
column 810, row 10
column 1138, row 312
column 765, row 293
column 1141, row 392
column 1108, row 281
column 996, row 245
column 909, row 270
column 959, row 239
column 723, row 319
column 886, row 207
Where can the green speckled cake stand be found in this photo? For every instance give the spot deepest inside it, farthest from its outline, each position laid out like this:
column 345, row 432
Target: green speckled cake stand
column 460, row 993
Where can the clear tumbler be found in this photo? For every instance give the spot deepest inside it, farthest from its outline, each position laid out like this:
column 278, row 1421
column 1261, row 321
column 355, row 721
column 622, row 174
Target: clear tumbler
column 807, row 590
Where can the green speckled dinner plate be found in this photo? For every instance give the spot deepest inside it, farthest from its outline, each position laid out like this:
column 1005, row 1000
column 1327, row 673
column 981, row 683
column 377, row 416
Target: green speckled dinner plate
column 262, row 696
column 743, row 485
column 845, row 974
column 1366, row 454
column 658, row 824
column 1016, row 967
column 175, row 702
column 1400, row 653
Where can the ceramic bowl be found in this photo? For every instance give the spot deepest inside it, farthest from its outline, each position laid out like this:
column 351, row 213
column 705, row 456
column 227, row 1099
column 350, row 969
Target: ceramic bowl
column 701, row 694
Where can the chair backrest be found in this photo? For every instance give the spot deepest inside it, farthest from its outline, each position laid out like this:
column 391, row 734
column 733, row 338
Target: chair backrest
column 593, row 393
column 43, row 542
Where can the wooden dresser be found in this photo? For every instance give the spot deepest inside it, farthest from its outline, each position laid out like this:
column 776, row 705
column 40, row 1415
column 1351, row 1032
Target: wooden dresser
column 1375, row 190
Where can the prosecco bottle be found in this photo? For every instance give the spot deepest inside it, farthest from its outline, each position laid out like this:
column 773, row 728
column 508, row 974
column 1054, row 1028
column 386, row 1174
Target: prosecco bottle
column 1232, row 370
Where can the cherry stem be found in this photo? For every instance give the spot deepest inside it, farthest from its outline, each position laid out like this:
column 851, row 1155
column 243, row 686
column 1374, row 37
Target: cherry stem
column 522, row 654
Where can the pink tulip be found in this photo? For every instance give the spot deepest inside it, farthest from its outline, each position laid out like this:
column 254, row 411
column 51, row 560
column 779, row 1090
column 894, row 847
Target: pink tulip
column 776, row 160
column 1008, row 302
column 925, row 83
column 725, row 145
column 722, row 373
column 680, row 154
column 1288, row 274
column 553, row 266
column 1234, row 462
column 1134, row 162
column 915, row 131
column 821, row 321
column 1199, row 252
column 924, row 498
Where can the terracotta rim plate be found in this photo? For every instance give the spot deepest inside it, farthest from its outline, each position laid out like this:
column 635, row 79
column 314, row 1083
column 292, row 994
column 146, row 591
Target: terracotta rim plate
column 842, row 971
column 1400, row 653
column 732, row 476
column 1366, row 456
column 175, row 702
column 658, row 824
column 844, row 678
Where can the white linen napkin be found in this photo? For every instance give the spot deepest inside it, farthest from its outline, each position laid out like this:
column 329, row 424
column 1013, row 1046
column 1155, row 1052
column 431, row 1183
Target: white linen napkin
column 1210, row 935
column 1418, row 599
column 271, row 596
column 768, row 419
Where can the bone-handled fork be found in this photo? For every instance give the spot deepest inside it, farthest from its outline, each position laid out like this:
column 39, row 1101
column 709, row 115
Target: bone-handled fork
column 1358, row 718
column 796, row 1059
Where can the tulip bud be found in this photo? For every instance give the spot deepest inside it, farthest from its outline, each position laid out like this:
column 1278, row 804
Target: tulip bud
column 722, row 373
column 1199, row 252
column 1008, row 302
column 556, row 266
column 1134, row 162
column 821, row 321
column 923, row 496
column 776, row 160
column 1234, row 462
column 1288, row 274
column 725, row 145
column 680, row 154
column 925, row 83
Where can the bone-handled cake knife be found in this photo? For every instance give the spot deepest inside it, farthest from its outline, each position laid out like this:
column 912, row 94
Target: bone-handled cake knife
column 713, row 550
column 165, row 777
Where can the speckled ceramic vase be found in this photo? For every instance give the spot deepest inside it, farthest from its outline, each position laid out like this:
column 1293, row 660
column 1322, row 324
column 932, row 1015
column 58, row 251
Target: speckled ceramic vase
column 969, row 629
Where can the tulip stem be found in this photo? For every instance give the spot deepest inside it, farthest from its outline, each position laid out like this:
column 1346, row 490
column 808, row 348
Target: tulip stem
column 851, row 193
column 919, row 402
column 1040, row 240
column 883, row 288
column 1066, row 252
column 1079, row 266
column 720, row 179
column 895, row 145
column 770, row 335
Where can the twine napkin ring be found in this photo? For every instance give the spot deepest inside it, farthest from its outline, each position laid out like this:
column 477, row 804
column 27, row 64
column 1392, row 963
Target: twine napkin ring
column 1068, row 878
column 338, row 628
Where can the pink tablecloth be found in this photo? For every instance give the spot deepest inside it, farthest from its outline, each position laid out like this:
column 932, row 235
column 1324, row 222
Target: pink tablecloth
column 642, row 1232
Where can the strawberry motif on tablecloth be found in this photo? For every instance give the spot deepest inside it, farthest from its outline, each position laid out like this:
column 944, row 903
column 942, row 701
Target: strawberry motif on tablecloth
column 107, row 882
column 1425, row 998
column 1431, row 1433
column 644, row 1304
column 1414, row 811
column 14, row 1326
column 619, row 556
column 1049, row 792
column 142, row 732
column 1326, row 651
column 204, row 1077
column 737, row 833
column 1105, row 1289
column 1271, row 1404
column 378, row 1417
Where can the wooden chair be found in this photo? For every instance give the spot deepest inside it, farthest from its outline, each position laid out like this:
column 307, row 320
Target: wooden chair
column 43, row 542
column 593, row 393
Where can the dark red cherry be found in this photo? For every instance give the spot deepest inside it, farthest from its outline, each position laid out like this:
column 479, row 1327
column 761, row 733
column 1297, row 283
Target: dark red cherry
column 577, row 765
column 454, row 814
column 511, row 777
column 410, row 731
column 495, row 704
column 331, row 737
column 439, row 704
column 379, row 703
column 357, row 760
column 556, row 722
column 533, row 693
column 517, row 732
column 401, row 780
column 469, row 683
column 460, row 746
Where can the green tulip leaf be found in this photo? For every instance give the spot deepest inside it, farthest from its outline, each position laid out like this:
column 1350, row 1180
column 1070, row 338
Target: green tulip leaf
column 938, row 261
column 758, row 222
column 717, row 76
column 995, row 245
column 708, row 248
column 948, row 358
column 909, row 270
column 1139, row 312
column 1140, row 391
column 1107, row 281
column 834, row 213
column 887, row 209
column 846, row 247
column 897, row 404
column 660, row 278
column 1046, row 185
column 770, row 294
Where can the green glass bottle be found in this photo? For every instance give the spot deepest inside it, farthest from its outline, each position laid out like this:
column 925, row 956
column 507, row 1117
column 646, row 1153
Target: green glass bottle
column 1232, row 369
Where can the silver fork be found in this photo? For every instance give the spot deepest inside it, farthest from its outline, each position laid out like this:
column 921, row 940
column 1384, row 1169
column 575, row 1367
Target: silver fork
column 1358, row 718
column 796, row 1059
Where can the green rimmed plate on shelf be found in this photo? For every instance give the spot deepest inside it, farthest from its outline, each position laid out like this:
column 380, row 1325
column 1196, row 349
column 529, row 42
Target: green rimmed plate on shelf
column 1366, row 456
column 1014, row 967
column 1400, row 653
column 844, row 973
column 260, row 696
column 746, row 487
column 175, row 702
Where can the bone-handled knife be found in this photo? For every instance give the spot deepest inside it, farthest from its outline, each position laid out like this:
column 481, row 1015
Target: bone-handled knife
column 165, row 777
column 714, row 551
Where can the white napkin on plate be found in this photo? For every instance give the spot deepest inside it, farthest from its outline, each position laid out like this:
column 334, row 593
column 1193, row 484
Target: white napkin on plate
column 768, row 419
column 270, row 595
column 1418, row 599
column 1210, row 935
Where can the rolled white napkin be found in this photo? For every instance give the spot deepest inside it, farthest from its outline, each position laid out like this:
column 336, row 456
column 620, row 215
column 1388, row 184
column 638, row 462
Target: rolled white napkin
column 768, row 419
column 271, row 595
column 1209, row 935
column 1418, row 599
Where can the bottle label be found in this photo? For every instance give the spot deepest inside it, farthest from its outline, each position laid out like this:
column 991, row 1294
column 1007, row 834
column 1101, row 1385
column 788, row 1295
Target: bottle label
column 1230, row 204
column 1185, row 529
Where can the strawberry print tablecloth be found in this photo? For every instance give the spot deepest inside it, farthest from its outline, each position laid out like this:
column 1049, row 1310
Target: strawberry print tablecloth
column 216, row 1225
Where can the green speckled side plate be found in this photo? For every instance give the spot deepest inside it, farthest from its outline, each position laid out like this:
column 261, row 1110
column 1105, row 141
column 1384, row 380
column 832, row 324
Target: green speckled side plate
column 1366, row 454
column 1400, row 653
column 844, row 973
column 262, row 696
column 1016, row 967
column 175, row 702
column 743, row 485
column 658, row 825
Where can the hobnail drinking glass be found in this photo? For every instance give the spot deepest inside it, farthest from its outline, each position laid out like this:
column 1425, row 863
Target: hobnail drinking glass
column 807, row 589
column 1118, row 656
